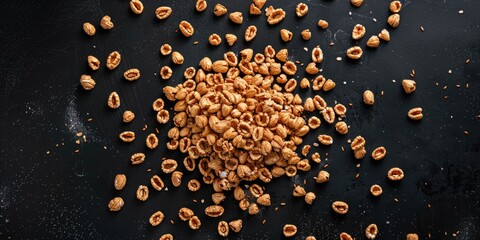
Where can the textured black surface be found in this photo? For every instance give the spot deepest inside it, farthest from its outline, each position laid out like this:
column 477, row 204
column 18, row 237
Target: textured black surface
column 49, row 192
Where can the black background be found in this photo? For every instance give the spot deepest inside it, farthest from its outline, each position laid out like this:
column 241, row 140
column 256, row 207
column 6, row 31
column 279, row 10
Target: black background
column 47, row 191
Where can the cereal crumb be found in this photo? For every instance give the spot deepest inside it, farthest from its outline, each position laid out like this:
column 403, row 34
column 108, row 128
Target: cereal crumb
column 339, row 59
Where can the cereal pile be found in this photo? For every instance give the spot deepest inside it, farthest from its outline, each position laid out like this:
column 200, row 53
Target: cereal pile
column 237, row 119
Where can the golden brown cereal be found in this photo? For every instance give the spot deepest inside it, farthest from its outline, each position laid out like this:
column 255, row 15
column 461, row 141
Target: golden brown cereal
column 314, row 122
column 194, row 223
column 371, row 231
column 358, row 31
column 305, row 150
column 395, row 174
column 299, row 191
column 113, row 60
column 116, row 204
column 394, row 20
column 322, row 24
column 157, row 183
column 214, row 211
column 354, row 52
column 317, row 55
column 341, row 127
column 310, row 238
column 177, row 178
column 201, row 5
column 137, row 158
column 142, row 193
column 156, row 218
column 165, row 49
column 220, row 66
column 329, row 115
column 127, row 136
column 275, row 16
column 236, row 17
column 169, row 165
column 282, row 55
column 87, row 82
column 340, row 207
column 120, row 181
column 264, row 200
column 236, row 225
column 412, row 236
column 186, row 28
column 166, row 236
column 357, row 143
column 310, row 197
column 368, row 97
column 329, row 85
column 360, row 153
column 409, row 86
column 415, row 113
column 286, row 35
column 256, row 190
column 163, row 12
column 322, row 176
column 384, row 35
column 289, row 230
column 231, row 39
column 166, row 72
column 376, row 190
column 185, row 214
column 219, row 10
column 304, row 83
column 344, row 235
column 151, row 141
column 325, row 139
column 316, row 157
column 356, row 3
column 215, row 39
column 136, row 6
column 373, row 42
column 193, row 185
column 177, row 58
column 223, row 228
column 250, row 33
column 106, row 22
column 113, row 100
column 395, row 6
column 253, row 209
column 158, row 104
column 379, row 153
column 189, row 73
column 312, row 68
column 340, row 109
column 238, row 193
column 217, row 198
column 89, row 29
column 254, row 10
column 93, row 62
column 132, row 74
column 306, row 34
column 301, row 9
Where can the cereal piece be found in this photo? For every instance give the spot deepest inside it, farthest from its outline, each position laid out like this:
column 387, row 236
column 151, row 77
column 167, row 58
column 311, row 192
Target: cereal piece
column 254, row 10
column 322, row 24
column 169, row 165
column 89, row 29
column 165, row 49
column 305, row 150
column 151, row 141
column 358, row 31
column 394, row 20
column 329, row 85
column 177, row 178
column 409, row 86
column 384, row 35
column 156, row 218
column 340, row 109
column 371, row 231
column 194, row 223
column 316, row 157
column 185, row 214
column 220, row 66
column 136, row 6
column 354, row 52
column 286, row 35
column 317, row 55
column 201, row 5
column 142, row 193
column 116, row 204
column 310, row 197
column 120, row 181
column 127, row 136
column 322, row 176
column 344, row 235
column 163, row 12
column 236, row 225
column 376, row 190
column 395, row 174
column 264, row 200
column 373, row 42
column 341, row 127
column 158, row 105
column 231, row 39
column 93, row 62
column 304, row 83
column 250, row 33
column 177, row 58
column 356, row 3
column 215, row 39
column 193, row 185
column 106, row 22
column 290, row 68
column 137, row 158
column 395, row 6
column 256, row 190
column 217, row 198
column 306, row 34
column 253, row 209
column 214, row 211
column 325, row 139
column 113, row 60
column 299, row 191
column 310, row 238
column 312, row 68
column 289, row 230
column 379, row 153
column 301, row 9
column 415, row 113
column 236, row 17
column 132, row 74
column 368, row 97
column 87, row 82
column 157, row 183
column 186, row 28
column 166, row 72
column 328, row 114
column 113, row 100
column 357, row 143
column 166, row 236
column 314, row 122
column 275, row 16
column 223, row 228
column 412, row 236
column 340, row 207
column 219, row 10
column 359, row 153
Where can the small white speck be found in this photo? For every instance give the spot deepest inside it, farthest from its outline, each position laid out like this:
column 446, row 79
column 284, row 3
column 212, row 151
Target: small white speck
column 394, row 80
column 350, row 13
column 374, row 19
column 306, row 49
column 154, row 74
column 94, row 46
column 460, row 12
column 344, row 83
column 105, row 147
column 387, row 222
column 451, row 117
column 450, row 71
column 339, row 59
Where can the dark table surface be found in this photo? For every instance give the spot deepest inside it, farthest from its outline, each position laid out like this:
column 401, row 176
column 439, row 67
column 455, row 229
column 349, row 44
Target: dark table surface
column 49, row 190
